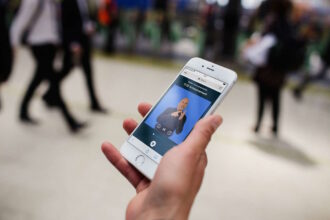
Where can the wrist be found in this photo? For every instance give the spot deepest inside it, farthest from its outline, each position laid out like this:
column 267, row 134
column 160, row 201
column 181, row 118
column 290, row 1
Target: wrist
column 177, row 210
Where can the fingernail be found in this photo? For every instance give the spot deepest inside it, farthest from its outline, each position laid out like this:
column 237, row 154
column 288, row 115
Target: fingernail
column 216, row 121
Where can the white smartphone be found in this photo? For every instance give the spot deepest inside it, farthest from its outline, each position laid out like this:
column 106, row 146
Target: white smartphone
column 195, row 93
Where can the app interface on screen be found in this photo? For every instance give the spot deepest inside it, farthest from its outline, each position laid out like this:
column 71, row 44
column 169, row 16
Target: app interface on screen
column 187, row 100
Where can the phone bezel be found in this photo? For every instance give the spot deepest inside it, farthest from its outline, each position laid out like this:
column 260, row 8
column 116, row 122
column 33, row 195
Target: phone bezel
column 149, row 166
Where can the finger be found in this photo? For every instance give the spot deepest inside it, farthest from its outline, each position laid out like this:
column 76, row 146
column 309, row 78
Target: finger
column 129, row 125
column 122, row 165
column 201, row 134
column 144, row 108
column 144, row 183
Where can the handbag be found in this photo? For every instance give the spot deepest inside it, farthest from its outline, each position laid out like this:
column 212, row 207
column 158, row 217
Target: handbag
column 257, row 52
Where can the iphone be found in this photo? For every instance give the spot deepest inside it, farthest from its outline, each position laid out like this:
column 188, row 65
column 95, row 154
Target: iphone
column 195, row 93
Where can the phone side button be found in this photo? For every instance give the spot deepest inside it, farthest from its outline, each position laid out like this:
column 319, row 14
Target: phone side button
column 139, row 160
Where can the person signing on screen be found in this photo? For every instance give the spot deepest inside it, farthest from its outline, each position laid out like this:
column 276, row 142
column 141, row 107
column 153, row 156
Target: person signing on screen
column 172, row 119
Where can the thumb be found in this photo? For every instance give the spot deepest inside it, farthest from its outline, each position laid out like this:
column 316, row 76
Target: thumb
column 202, row 133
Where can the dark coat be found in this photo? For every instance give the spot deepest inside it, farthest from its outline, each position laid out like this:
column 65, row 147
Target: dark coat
column 167, row 124
column 72, row 23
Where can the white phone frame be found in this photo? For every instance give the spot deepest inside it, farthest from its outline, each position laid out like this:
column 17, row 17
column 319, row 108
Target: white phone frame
column 140, row 160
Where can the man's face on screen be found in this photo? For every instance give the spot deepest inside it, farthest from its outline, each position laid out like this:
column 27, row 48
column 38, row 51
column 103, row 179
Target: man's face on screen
column 183, row 104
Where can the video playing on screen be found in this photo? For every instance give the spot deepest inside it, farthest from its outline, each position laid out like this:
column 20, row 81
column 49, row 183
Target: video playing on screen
column 175, row 115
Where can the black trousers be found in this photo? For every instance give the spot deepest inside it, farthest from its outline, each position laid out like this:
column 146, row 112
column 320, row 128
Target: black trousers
column 85, row 62
column 44, row 56
column 5, row 60
column 271, row 95
column 229, row 43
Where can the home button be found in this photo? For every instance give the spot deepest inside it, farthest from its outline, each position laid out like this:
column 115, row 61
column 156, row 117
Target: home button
column 139, row 160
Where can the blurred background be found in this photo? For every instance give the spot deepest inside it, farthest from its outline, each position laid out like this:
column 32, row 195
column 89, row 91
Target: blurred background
column 71, row 71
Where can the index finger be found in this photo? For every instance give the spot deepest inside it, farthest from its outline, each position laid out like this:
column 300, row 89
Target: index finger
column 144, row 108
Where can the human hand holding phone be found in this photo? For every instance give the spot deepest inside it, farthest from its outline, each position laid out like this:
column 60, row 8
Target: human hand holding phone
column 178, row 178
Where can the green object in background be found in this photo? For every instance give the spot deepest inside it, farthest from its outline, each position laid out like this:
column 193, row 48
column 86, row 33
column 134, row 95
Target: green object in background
column 200, row 41
column 152, row 30
column 127, row 29
column 176, row 31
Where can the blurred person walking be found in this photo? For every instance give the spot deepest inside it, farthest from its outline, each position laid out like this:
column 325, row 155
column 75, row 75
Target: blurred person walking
column 36, row 21
column 108, row 16
column 162, row 7
column 286, row 55
column 5, row 48
column 77, row 29
column 325, row 56
column 231, row 24
column 209, row 24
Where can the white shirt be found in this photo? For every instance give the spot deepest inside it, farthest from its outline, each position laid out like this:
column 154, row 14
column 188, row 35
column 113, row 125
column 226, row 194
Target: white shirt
column 44, row 30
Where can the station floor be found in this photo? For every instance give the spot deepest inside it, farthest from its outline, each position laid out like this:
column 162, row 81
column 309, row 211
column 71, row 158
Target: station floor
column 48, row 174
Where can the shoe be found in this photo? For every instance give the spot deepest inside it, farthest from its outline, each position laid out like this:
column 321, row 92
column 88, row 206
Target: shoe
column 77, row 127
column 274, row 131
column 49, row 100
column 99, row 110
column 256, row 129
column 297, row 94
column 28, row 120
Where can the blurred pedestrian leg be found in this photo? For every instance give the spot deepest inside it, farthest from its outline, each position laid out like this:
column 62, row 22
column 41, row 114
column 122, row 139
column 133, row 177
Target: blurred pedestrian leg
column 269, row 85
column 77, row 29
column 43, row 56
column 5, row 48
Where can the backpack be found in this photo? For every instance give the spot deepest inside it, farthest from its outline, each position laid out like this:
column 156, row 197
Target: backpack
column 288, row 54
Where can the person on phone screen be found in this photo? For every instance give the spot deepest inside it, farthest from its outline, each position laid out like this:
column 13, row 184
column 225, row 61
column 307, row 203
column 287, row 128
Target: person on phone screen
column 172, row 119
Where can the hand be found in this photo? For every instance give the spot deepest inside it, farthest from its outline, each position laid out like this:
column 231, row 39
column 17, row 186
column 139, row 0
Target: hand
column 90, row 29
column 182, row 115
column 178, row 178
column 176, row 114
column 76, row 49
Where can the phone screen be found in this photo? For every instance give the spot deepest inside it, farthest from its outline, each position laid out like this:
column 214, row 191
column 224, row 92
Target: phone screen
column 187, row 100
